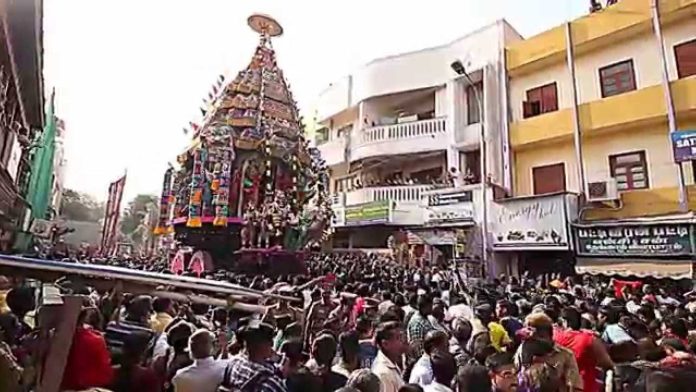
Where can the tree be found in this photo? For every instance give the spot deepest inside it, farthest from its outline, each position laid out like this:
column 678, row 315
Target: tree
column 81, row 207
column 134, row 215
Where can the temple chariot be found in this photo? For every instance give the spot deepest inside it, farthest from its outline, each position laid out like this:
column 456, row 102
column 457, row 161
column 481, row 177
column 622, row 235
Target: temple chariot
column 248, row 193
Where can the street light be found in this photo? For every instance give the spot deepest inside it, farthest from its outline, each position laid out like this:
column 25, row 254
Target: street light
column 459, row 68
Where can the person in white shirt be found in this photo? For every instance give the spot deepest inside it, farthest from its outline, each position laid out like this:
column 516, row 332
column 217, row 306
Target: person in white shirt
column 422, row 372
column 206, row 373
column 444, row 370
column 391, row 340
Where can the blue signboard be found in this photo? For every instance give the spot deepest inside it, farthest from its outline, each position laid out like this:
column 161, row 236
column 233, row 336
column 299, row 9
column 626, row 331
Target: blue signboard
column 684, row 145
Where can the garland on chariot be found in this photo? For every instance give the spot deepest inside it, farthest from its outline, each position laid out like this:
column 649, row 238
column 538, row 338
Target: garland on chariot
column 249, row 163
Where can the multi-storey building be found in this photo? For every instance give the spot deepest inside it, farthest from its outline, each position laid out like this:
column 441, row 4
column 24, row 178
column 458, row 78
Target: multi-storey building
column 589, row 116
column 401, row 131
column 21, row 108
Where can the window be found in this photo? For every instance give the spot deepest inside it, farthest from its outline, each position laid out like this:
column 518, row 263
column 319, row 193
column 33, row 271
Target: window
column 473, row 114
column 617, row 78
column 540, row 100
column 549, row 179
column 685, row 56
column 630, row 170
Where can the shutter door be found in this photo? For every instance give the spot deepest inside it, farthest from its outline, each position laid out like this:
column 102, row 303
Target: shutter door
column 549, row 179
column 549, row 101
column 685, row 55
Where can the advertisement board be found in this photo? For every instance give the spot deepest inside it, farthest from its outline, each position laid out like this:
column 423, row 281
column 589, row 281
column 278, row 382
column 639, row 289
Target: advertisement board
column 375, row 212
column 449, row 208
column 668, row 239
column 534, row 223
column 684, row 145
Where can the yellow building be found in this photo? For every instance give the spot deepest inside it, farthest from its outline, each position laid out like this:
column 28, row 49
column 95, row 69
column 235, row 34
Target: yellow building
column 623, row 137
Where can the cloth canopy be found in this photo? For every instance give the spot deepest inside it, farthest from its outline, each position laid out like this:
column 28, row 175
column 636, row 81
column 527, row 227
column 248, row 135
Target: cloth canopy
column 662, row 269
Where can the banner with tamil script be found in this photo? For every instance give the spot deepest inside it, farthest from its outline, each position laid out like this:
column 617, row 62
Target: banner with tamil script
column 375, row 212
column 111, row 215
column 665, row 239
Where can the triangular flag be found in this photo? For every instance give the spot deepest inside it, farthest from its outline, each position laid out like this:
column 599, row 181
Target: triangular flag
column 215, row 90
column 221, row 78
column 185, row 131
column 210, row 95
column 203, row 112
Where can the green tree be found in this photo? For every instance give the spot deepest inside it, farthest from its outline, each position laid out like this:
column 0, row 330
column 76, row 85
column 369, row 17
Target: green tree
column 81, row 207
column 134, row 215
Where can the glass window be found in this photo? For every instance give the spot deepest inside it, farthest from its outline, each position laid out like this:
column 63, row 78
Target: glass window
column 630, row 170
column 617, row 78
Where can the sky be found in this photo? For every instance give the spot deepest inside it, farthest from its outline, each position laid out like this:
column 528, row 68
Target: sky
column 130, row 74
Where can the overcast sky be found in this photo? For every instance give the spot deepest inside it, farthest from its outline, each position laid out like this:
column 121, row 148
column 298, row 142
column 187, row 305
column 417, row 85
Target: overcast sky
column 130, row 74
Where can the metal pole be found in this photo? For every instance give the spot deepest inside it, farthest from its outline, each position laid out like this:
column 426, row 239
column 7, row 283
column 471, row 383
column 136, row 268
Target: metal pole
column 484, row 170
column 577, row 135
column 671, row 115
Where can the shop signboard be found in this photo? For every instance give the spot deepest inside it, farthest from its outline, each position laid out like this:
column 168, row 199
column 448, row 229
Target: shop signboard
column 532, row 223
column 684, row 145
column 448, row 208
column 664, row 239
column 375, row 212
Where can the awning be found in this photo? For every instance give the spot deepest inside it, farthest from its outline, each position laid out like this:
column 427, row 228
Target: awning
column 662, row 269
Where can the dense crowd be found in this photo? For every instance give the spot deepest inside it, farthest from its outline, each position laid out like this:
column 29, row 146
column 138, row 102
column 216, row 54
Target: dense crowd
column 364, row 323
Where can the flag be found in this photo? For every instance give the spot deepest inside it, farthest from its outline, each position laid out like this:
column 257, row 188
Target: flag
column 221, row 78
column 111, row 215
column 185, row 131
column 203, row 112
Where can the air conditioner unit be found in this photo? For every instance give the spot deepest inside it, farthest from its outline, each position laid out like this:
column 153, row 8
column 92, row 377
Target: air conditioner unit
column 602, row 190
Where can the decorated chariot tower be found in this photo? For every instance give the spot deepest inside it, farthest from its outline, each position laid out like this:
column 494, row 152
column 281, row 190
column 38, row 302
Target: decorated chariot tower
column 248, row 185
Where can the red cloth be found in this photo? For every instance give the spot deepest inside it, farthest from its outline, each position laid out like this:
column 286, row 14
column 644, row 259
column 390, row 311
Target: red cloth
column 620, row 284
column 580, row 343
column 89, row 362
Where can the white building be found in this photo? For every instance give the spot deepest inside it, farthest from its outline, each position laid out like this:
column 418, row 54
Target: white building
column 398, row 124
column 59, row 164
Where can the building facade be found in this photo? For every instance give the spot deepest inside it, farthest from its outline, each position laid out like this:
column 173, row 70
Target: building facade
column 21, row 111
column 589, row 116
column 402, row 137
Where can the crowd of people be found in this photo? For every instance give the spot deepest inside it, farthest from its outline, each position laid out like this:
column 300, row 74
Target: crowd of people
column 363, row 323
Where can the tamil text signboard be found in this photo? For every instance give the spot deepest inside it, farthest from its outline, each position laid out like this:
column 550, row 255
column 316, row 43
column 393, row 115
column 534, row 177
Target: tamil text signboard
column 684, row 145
column 534, row 223
column 669, row 239
column 376, row 212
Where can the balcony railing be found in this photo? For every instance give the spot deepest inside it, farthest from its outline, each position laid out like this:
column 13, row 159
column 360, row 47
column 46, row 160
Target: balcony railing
column 405, row 193
column 404, row 130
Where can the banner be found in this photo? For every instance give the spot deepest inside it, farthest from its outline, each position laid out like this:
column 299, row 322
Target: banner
column 111, row 215
column 534, row 223
column 684, row 145
column 668, row 239
column 369, row 213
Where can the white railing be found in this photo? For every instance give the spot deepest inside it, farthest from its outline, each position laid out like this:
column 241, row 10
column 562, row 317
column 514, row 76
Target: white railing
column 403, row 130
column 404, row 193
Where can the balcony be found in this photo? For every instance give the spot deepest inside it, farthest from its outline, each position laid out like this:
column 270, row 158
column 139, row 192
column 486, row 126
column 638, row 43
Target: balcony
column 333, row 151
column 625, row 19
column 405, row 138
column 404, row 193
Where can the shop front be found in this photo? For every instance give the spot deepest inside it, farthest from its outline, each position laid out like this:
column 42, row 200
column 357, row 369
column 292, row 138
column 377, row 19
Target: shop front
column 532, row 234
column 449, row 222
column 649, row 247
column 365, row 225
